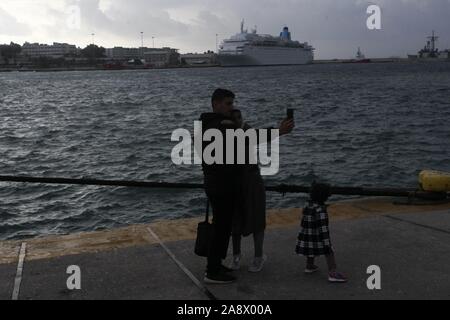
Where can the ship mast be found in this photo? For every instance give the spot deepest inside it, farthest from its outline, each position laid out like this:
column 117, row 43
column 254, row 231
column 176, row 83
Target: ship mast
column 242, row 27
column 433, row 40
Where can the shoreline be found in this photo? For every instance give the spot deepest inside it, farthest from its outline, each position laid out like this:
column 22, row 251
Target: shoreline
column 73, row 69
column 53, row 246
column 157, row 261
column 315, row 62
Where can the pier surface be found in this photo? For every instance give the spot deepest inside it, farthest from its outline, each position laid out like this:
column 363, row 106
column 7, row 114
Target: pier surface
column 410, row 244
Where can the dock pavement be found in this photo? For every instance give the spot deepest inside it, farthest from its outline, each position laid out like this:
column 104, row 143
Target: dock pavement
column 409, row 243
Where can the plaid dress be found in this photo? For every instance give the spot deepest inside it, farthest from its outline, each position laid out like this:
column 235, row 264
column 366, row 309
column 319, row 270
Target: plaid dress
column 314, row 237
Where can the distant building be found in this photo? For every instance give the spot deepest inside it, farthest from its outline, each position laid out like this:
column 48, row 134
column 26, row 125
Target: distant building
column 120, row 53
column 57, row 50
column 164, row 57
column 199, row 59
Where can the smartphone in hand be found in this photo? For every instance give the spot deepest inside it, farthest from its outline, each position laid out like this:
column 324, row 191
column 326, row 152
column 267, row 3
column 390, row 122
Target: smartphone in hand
column 290, row 114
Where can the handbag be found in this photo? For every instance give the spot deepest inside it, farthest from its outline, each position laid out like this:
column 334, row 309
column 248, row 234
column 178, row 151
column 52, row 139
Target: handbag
column 204, row 236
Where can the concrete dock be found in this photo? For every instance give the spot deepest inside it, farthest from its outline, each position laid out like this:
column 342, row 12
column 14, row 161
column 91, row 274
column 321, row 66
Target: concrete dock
column 411, row 245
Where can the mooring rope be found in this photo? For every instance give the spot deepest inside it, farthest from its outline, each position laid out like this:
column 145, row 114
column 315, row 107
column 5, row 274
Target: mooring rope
column 283, row 188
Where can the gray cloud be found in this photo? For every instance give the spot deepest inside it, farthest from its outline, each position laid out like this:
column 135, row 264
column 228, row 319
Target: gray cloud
column 10, row 26
column 335, row 28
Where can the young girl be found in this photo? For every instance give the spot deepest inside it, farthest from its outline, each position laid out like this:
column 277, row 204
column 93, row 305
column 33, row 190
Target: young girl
column 314, row 237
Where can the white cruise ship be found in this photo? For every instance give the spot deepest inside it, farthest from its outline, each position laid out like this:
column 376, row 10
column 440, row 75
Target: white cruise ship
column 253, row 49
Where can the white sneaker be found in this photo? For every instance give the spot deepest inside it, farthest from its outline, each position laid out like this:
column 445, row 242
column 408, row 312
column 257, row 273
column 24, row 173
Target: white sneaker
column 312, row 270
column 236, row 264
column 257, row 265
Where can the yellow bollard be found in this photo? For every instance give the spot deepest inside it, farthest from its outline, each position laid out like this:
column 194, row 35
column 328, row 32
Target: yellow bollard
column 434, row 181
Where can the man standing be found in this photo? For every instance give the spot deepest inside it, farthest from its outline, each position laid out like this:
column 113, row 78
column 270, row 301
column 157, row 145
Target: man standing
column 223, row 186
column 222, row 189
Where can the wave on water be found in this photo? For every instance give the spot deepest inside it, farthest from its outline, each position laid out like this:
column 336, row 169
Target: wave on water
column 357, row 125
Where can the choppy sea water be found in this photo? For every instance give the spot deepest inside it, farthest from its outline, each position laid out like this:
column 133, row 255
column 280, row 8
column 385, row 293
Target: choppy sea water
column 357, row 125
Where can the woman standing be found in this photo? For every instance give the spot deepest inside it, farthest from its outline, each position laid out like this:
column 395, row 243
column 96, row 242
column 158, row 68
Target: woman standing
column 251, row 220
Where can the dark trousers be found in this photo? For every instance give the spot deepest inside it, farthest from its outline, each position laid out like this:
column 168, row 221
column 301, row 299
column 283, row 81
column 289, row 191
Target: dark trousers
column 222, row 194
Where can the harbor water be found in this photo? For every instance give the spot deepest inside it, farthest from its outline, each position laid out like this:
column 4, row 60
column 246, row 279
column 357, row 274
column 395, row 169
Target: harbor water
column 357, row 125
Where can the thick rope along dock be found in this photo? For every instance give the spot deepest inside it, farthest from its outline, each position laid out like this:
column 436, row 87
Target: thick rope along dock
column 346, row 191
column 96, row 182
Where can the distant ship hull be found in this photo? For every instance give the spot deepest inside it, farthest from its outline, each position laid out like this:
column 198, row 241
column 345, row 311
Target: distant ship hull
column 359, row 61
column 266, row 56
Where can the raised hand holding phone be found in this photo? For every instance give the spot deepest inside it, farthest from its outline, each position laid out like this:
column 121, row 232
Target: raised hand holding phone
column 290, row 114
column 288, row 124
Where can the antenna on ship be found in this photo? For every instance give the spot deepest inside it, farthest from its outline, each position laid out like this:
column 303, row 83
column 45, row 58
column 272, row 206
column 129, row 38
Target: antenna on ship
column 217, row 42
column 242, row 27
column 433, row 40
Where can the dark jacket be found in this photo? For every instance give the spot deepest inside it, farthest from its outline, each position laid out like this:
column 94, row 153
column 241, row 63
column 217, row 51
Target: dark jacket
column 222, row 123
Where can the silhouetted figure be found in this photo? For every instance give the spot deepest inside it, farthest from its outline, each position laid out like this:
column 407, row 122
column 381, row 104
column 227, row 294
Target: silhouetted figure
column 222, row 184
column 314, row 237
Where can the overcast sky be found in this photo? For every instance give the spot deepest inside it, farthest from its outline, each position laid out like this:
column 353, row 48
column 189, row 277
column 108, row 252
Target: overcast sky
column 334, row 27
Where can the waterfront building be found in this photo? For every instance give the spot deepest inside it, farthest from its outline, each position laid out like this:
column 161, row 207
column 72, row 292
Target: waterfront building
column 122, row 54
column 199, row 59
column 162, row 57
column 56, row 50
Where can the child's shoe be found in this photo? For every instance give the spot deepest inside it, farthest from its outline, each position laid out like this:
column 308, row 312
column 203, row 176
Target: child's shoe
column 336, row 277
column 219, row 278
column 257, row 265
column 236, row 263
column 311, row 270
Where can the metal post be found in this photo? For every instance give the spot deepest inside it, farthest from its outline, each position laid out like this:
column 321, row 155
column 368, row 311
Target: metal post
column 142, row 45
column 217, row 43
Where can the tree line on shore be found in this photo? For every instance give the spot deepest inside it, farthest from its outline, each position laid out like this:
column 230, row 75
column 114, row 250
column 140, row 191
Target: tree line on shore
column 10, row 54
column 10, row 51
